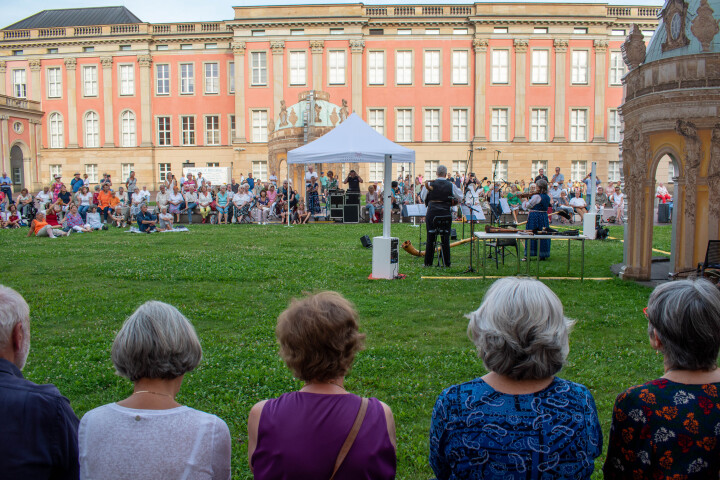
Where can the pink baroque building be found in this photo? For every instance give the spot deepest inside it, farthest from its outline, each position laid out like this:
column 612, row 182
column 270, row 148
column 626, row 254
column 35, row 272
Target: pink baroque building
column 531, row 85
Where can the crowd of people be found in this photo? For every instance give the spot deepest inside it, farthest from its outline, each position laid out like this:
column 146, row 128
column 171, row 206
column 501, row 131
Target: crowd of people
column 519, row 420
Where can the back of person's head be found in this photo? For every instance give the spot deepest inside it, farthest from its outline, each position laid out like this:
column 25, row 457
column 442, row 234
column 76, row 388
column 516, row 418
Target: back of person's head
column 14, row 309
column 520, row 330
column 542, row 186
column 441, row 171
column 319, row 336
column 685, row 315
column 156, row 341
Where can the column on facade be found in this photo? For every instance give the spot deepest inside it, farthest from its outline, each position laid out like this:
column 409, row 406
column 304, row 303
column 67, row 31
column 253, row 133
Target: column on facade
column 317, row 48
column 356, row 49
column 560, row 53
column 107, row 63
column 521, row 47
column 36, row 84
column 238, row 49
column 480, row 46
column 70, row 65
column 28, row 171
column 3, row 71
column 278, row 52
column 600, row 69
column 5, row 142
column 145, row 61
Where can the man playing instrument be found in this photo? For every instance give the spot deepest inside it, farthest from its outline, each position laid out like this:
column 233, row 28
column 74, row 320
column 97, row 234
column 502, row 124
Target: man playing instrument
column 440, row 195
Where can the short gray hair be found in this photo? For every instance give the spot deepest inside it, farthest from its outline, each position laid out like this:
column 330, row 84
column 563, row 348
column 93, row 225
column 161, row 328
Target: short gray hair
column 520, row 330
column 441, row 170
column 14, row 310
column 157, row 341
column 685, row 314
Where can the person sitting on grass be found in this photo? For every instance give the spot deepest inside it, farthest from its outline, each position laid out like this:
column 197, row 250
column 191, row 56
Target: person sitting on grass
column 283, row 205
column 40, row 228
column 669, row 427
column 74, row 222
column 146, row 220
column 137, row 200
column 578, row 204
column 519, row 420
column 300, row 216
column 13, row 219
column 302, row 432
column 53, row 215
column 149, row 435
column 204, row 200
column 117, row 218
column 166, row 220
column 93, row 219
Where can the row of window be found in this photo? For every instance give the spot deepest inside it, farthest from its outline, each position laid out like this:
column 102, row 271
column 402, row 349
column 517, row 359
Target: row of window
column 500, row 72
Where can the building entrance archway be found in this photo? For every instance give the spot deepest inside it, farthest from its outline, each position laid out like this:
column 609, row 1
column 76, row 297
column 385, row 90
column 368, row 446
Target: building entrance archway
column 17, row 168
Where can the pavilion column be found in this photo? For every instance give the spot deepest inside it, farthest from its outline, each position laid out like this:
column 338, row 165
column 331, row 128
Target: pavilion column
column 238, row 49
column 600, row 69
column 317, row 47
column 356, row 49
column 5, row 143
column 71, row 90
column 278, row 52
column 36, row 84
column 32, row 159
column 107, row 63
column 145, row 61
column 3, row 71
column 38, row 147
column 480, row 46
column 520, row 63
column 560, row 53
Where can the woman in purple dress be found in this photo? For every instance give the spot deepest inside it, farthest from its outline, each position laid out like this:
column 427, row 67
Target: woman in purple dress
column 301, row 434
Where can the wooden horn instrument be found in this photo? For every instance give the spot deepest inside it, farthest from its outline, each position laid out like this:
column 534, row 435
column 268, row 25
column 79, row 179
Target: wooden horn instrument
column 491, row 229
column 407, row 246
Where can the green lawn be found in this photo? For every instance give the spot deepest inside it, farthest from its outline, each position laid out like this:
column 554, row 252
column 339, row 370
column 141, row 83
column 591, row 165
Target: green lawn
column 233, row 281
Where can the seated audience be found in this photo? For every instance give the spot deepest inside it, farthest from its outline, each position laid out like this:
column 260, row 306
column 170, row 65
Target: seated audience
column 117, row 218
column 53, row 215
column 145, row 194
column 204, row 200
column 373, row 205
column 161, row 199
column 84, row 200
column 63, row 198
column 518, row 421
column 564, row 209
column 514, row 201
column 302, row 432
column 149, row 435
column 41, row 228
column 300, row 216
column 93, row 219
column 618, row 204
column 12, row 219
column 222, row 200
column 43, row 199
column 24, row 202
column 663, row 194
column 578, row 204
column 38, row 431
column 176, row 203
column 74, row 222
column 601, row 199
column 166, row 219
column 243, row 202
column 190, row 198
column 668, row 428
column 263, row 207
column 137, row 200
column 103, row 201
column 146, row 221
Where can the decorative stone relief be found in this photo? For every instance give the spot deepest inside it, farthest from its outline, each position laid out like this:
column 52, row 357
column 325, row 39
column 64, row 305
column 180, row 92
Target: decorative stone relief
column 693, row 158
column 334, row 117
column 283, row 117
column 343, row 111
column 561, row 45
column 70, row 63
column 34, row 65
column 238, row 48
column 521, row 46
column 318, row 109
column 600, row 45
column 317, row 46
column 357, row 46
column 293, row 117
column 714, row 172
column 106, row 62
column 633, row 49
column 3, row 66
column 277, row 47
column 271, row 126
column 480, row 44
column 673, row 16
column 144, row 60
column 704, row 26
column 636, row 148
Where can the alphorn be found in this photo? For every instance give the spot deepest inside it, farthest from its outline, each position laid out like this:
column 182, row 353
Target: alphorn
column 407, row 246
column 492, row 229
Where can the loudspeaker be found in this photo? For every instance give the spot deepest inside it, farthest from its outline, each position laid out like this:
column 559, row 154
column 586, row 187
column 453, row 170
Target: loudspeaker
column 453, row 234
column 352, row 198
column 351, row 213
column 336, row 213
column 365, row 240
column 664, row 213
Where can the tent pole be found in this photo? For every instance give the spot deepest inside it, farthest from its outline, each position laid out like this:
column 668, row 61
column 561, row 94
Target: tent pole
column 388, row 194
column 288, row 191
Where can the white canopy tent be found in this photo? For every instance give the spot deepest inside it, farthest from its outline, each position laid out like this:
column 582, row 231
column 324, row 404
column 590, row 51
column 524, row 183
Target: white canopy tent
column 354, row 141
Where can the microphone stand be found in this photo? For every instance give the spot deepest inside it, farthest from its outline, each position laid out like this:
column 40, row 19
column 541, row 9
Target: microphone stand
column 472, row 235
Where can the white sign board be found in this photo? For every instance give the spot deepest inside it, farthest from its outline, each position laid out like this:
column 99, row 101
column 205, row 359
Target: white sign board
column 216, row 175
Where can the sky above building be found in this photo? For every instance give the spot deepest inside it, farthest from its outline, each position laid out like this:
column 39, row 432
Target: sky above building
column 162, row 11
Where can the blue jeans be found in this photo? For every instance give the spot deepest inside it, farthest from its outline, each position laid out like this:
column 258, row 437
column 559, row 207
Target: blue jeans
column 82, row 210
column 105, row 212
column 497, row 210
column 190, row 207
column 371, row 212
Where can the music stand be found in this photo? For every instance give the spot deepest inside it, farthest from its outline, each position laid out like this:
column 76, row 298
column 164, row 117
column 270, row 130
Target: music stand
column 472, row 213
column 414, row 211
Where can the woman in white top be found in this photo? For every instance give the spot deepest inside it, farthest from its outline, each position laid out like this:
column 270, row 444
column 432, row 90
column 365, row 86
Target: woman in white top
column 618, row 203
column 84, row 200
column 471, row 194
column 43, row 199
column 166, row 219
column 662, row 193
column 137, row 201
column 204, row 200
column 176, row 202
column 149, row 435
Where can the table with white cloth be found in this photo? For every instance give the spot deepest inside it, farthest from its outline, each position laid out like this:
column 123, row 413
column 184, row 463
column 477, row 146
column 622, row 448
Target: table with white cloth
column 484, row 236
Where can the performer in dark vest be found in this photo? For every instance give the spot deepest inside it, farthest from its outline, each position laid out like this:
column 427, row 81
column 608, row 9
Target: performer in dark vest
column 440, row 195
column 538, row 205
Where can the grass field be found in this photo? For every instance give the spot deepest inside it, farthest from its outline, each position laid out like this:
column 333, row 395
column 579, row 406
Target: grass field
column 233, row 281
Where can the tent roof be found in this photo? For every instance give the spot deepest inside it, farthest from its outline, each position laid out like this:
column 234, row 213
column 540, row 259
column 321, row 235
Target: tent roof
column 353, row 141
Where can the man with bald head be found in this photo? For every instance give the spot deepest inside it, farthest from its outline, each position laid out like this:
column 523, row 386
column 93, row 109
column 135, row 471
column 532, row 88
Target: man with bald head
column 38, row 431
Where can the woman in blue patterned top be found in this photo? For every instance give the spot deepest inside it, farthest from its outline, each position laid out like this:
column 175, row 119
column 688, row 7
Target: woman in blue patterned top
column 519, row 421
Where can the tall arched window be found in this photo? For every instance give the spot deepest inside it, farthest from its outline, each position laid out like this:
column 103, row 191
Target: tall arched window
column 56, row 131
column 127, row 129
column 92, row 131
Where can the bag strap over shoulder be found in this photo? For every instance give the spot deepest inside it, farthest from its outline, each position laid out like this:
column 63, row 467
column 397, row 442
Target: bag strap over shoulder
column 351, row 436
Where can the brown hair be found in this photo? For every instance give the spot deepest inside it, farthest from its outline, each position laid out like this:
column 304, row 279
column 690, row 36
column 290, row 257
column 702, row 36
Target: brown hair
column 319, row 336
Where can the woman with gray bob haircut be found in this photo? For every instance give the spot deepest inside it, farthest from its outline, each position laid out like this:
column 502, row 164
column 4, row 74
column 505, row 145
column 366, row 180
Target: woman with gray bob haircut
column 149, row 434
column 519, row 420
column 672, row 424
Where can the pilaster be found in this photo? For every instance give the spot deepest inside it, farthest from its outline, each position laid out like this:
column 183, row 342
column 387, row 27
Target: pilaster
column 278, row 55
column 521, row 46
column 356, row 50
column 600, row 72
column 3, row 71
column 317, row 47
column 73, row 127
column 560, row 113
column 108, row 116
column 145, row 61
column 480, row 46
column 238, row 49
column 28, row 176
column 5, row 142
column 35, row 83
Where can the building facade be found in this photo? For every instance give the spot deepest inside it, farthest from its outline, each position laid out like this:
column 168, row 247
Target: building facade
column 513, row 86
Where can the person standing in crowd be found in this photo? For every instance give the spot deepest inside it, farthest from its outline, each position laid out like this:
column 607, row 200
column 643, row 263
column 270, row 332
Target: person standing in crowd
column 86, row 180
column 76, row 183
column 558, row 178
column 273, row 178
column 353, row 181
column 149, row 434
column 38, row 431
column 251, row 181
column 538, row 206
column 234, row 186
column 6, row 187
column 56, row 186
column 519, row 421
column 669, row 427
column 310, row 175
column 540, row 176
column 200, row 180
column 299, row 434
column 323, row 183
column 332, row 181
column 440, row 195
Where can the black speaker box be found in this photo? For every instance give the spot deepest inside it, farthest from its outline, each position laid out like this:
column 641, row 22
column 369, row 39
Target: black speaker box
column 351, row 214
column 365, row 240
column 453, row 234
column 664, row 213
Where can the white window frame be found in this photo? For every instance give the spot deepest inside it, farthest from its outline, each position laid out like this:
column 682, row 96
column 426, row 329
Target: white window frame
column 499, row 124
column 431, row 67
column 258, row 69
column 90, row 80
column 56, row 130
column 336, row 67
column 376, row 67
column 460, row 121
column 125, row 169
column 500, row 169
column 298, row 67
column 617, row 68
column 459, row 166
column 53, row 77
column 614, row 171
column 501, row 66
column 231, row 77
column 91, row 127
column 403, row 169
column 376, row 120
column 163, row 170
column 671, row 172
column 19, row 83
column 404, row 67
column 580, row 67
column 164, row 135
column 539, row 124
column 376, row 172
column 162, row 79
column 540, row 67
column 126, row 79
column 259, row 120
column 91, row 169
column 430, row 169
column 431, row 125
column 187, row 78
column 614, row 126
column 536, row 166
column 212, row 129
column 188, row 130
column 578, row 170
column 460, row 67
column 128, row 129
column 55, row 170
column 211, row 72
column 404, row 125
column 578, row 125
column 260, row 170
